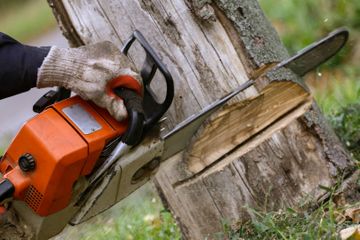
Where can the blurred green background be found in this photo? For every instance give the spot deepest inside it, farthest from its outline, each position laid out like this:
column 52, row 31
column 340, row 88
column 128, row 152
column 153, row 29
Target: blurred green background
column 25, row 19
column 336, row 86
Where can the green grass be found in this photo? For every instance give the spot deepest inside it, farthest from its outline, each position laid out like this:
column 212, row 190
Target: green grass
column 290, row 224
column 141, row 216
column 27, row 20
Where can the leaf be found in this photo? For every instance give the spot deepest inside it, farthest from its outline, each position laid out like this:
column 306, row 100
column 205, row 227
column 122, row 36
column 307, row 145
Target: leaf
column 351, row 233
column 327, row 189
column 260, row 227
column 353, row 214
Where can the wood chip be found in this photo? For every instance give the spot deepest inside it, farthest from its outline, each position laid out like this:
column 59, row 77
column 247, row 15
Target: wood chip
column 353, row 214
column 351, row 233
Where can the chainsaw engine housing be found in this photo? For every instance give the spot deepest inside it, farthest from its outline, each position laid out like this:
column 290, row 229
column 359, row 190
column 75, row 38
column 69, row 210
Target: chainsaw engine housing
column 54, row 149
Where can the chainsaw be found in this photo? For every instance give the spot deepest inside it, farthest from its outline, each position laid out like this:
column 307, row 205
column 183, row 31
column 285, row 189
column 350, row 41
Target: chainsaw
column 73, row 160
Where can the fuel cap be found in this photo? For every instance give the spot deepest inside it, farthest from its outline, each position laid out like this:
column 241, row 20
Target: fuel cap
column 27, row 162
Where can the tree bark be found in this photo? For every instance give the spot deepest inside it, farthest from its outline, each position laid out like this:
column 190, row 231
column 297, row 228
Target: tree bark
column 210, row 47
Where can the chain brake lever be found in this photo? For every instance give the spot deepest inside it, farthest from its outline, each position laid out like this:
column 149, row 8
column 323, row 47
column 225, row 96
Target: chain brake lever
column 152, row 108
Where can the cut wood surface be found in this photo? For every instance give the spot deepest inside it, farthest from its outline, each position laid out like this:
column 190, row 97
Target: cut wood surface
column 210, row 47
column 233, row 126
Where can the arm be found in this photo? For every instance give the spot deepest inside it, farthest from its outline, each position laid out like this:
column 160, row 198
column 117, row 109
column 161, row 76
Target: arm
column 91, row 71
column 18, row 66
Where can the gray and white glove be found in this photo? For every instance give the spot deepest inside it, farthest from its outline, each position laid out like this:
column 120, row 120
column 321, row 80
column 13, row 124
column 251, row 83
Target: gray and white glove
column 91, row 71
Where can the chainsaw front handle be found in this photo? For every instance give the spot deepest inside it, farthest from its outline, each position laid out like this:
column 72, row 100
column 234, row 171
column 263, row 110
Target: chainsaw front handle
column 152, row 108
column 143, row 111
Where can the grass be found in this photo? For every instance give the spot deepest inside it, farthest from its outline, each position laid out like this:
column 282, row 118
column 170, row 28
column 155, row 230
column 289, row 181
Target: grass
column 290, row 224
column 26, row 22
column 140, row 216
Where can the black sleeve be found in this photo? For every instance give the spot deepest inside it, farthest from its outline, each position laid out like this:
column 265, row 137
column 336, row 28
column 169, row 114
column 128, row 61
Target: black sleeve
column 18, row 66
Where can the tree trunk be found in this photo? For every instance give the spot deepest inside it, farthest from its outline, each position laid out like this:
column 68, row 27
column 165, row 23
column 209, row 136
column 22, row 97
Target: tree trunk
column 270, row 151
column 210, row 47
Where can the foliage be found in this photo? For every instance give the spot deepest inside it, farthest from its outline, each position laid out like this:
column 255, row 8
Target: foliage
column 347, row 125
column 24, row 20
column 341, row 104
column 336, row 90
column 6, row 4
column 301, row 22
column 337, row 84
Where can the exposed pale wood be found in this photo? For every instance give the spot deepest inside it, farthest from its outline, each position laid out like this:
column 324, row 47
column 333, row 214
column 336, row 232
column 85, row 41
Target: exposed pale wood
column 237, row 124
column 210, row 47
column 187, row 177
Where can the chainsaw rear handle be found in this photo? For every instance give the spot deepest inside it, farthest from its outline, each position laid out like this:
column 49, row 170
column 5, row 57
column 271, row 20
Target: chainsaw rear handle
column 153, row 110
column 50, row 98
column 7, row 190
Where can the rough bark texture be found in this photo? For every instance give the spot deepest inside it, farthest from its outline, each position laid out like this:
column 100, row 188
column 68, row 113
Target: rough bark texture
column 210, row 48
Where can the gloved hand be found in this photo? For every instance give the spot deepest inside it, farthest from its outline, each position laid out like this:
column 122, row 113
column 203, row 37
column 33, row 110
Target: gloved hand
column 91, row 72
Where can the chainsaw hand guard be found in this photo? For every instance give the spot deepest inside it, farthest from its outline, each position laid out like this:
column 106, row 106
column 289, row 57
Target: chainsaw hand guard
column 153, row 110
column 143, row 113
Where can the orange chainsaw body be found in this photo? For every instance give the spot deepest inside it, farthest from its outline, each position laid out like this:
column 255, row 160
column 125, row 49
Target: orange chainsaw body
column 65, row 142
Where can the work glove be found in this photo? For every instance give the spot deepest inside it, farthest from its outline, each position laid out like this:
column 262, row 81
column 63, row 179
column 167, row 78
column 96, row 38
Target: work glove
column 91, row 71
